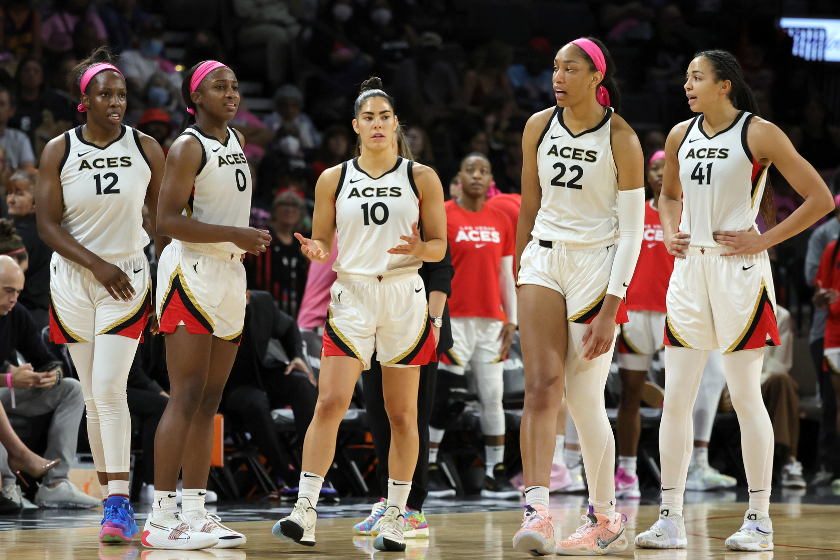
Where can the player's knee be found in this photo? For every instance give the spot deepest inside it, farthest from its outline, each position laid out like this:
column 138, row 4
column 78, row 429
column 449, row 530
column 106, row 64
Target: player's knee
column 403, row 421
column 210, row 401
column 543, row 393
column 330, row 408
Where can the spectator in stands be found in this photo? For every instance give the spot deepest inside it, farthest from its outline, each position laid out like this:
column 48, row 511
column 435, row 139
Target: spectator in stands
column 124, row 20
column 281, row 270
column 817, row 140
column 20, row 198
column 828, row 449
column 336, row 147
column 205, row 45
column 20, row 29
column 146, row 401
column 158, row 124
column 142, row 63
column 86, row 38
column 12, row 245
column 387, row 39
column 421, row 147
column 426, row 84
column 4, row 175
column 271, row 25
column 316, row 295
column 18, row 148
column 33, row 100
column 57, row 30
column 510, row 180
column 671, row 50
column 288, row 114
column 489, row 74
column 269, row 372
column 38, row 389
column 531, row 80
column 65, row 106
column 652, row 142
column 257, row 134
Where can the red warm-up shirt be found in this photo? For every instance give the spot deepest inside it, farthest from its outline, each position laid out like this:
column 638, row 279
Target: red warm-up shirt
column 828, row 276
column 478, row 241
column 649, row 285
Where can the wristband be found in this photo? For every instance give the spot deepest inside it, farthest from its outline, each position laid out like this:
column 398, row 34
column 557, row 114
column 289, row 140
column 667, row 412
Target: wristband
column 11, row 389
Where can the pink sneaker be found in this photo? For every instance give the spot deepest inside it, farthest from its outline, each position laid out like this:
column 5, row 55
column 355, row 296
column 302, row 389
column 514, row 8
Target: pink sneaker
column 560, row 477
column 518, row 481
column 536, row 537
column 626, row 486
column 599, row 535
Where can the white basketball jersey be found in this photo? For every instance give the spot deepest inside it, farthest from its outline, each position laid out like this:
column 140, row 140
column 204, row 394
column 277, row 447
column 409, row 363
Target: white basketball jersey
column 371, row 215
column 579, row 183
column 222, row 190
column 104, row 189
column 722, row 184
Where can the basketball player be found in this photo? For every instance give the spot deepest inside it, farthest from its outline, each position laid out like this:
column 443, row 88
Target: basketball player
column 205, row 202
column 721, row 292
column 483, row 309
column 92, row 186
column 377, row 303
column 582, row 184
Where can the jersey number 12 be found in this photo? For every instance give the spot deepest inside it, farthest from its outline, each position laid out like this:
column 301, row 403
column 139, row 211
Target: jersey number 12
column 109, row 188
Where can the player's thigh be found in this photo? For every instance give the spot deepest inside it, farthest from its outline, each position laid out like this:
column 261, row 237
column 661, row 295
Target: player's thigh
column 689, row 322
column 463, row 345
column 543, row 329
column 400, row 386
column 351, row 322
column 72, row 308
column 488, row 344
column 126, row 318
column 403, row 331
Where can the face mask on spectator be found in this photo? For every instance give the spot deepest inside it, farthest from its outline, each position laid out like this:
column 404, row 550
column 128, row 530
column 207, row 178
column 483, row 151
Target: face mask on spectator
column 342, row 12
column 290, row 145
column 151, row 48
column 158, row 96
column 381, row 16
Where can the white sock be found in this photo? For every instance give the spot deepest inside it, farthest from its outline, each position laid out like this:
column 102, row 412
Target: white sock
column 118, row 487
column 433, row 453
column 537, row 496
column 573, row 458
column 760, row 500
column 673, row 498
column 493, row 455
column 105, row 491
column 398, row 493
column 559, row 445
column 309, row 487
column 604, row 508
column 628, row 464
column 700, row 457
column 164, row 504
column 192, row 502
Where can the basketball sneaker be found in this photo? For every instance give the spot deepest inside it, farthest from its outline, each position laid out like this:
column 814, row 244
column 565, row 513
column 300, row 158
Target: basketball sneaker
column 210, row 523
column 499, row 486
column 175, row 533
column 439, row 486
column 391, row 531
column 707, row 478
column 599, row 535
column 792, row 475
column 118, row 524
column 755, row 535
column 366, row 526
column 626, row 486
column 298, row 526
column 415, row 524
column 577, row 484
column 667, row 532
column 560, row 478
column 536, row 536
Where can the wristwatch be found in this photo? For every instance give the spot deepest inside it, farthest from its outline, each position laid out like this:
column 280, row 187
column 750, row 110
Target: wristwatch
column 436, row 321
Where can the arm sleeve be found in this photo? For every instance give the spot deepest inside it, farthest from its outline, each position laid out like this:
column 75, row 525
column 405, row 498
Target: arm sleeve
column 816, row 248
column 631, row 224
column 440, row 274
column 508, row 288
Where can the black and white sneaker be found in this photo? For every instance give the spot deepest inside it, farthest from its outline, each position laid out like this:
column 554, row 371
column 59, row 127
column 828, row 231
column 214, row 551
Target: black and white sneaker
column 439, row 486
column 498, row 485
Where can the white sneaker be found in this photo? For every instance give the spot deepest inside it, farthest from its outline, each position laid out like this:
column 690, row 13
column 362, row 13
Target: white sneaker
column 792, row 475
column 65, row 496
column 210, row 523
column 391, row 528
column 298, row 526
column 755, row 535
column 577, row 484
column 707, row 478
column 12, row 492
column 667, row 532
column 175, row 533
column 147, row 494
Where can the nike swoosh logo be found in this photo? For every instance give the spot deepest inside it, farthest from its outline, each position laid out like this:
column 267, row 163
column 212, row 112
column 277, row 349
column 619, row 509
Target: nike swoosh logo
column 667, row 489
column 747, row 268
column 480, row 245
column 307, row 475
column 764, row 532
column 694, row 140
column 355, row 180
column 625, row 285
column 136, row 271
column 605, row 543
column 651, row 245
column 84, row 154
column 216, row 150
column 404, row 484
column 417, row 292
column 751, row 490
column 200, row 493
column 556, row 137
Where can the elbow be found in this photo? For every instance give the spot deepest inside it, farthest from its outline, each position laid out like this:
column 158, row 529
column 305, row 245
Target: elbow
column 161, row 227
column 828, row 205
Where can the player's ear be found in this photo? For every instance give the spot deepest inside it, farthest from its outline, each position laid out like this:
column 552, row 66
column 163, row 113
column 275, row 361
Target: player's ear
column 356, row 126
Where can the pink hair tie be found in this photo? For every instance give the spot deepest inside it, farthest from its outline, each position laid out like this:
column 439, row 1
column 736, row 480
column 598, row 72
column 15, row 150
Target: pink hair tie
column 597, row 56
column 90, row 73
column 659, row 154
column 200, row 73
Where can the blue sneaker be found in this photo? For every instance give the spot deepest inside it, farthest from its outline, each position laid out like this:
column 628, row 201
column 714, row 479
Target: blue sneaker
column 118, row 524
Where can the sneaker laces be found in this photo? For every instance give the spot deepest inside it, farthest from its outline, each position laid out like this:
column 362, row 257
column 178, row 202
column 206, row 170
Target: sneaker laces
column 388, row 521
column 532, row 517
column 794, row 468
column 113, row 511
column 377, row 510
column 216, row 520
column 584, row 529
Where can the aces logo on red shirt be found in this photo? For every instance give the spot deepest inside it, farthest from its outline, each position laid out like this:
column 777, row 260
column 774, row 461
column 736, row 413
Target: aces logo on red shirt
column 649, row 285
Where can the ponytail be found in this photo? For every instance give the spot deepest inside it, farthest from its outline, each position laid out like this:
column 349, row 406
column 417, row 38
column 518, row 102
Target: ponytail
column 726, row 67
column 609, row 80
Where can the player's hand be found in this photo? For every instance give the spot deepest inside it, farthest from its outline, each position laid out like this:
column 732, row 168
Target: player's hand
column 154, row 324
column 412, row 244
column 740, row 242
column 251, row 240
column 114, row 280
column 506, row 336
column 677, row 244
column 598, row 337
column 300, row 365
column 312, row 250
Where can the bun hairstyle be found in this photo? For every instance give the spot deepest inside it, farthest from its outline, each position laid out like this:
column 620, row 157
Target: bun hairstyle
column 372, row 87
column 609, row 81
column 74, row 78
column 725, row 67
column 10, row 243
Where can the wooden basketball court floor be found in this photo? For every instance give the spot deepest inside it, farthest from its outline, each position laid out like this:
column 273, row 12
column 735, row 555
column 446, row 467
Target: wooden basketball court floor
column 801, row 531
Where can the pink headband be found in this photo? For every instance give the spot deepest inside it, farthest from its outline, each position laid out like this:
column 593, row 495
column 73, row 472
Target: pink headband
column 201, row 73
column 15, row 252
column 90, row 73
column 659, row 154
column 594, row 52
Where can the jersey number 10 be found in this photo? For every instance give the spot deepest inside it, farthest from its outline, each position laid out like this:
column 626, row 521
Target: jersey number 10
column 109, row 189
column 370, row 214
column 699, row 176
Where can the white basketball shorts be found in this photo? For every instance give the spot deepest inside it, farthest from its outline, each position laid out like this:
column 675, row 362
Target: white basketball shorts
column 474, row 339
column 639, row 339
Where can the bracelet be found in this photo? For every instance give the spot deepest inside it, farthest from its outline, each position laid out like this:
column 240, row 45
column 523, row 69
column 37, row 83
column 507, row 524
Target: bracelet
column 9, row 380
